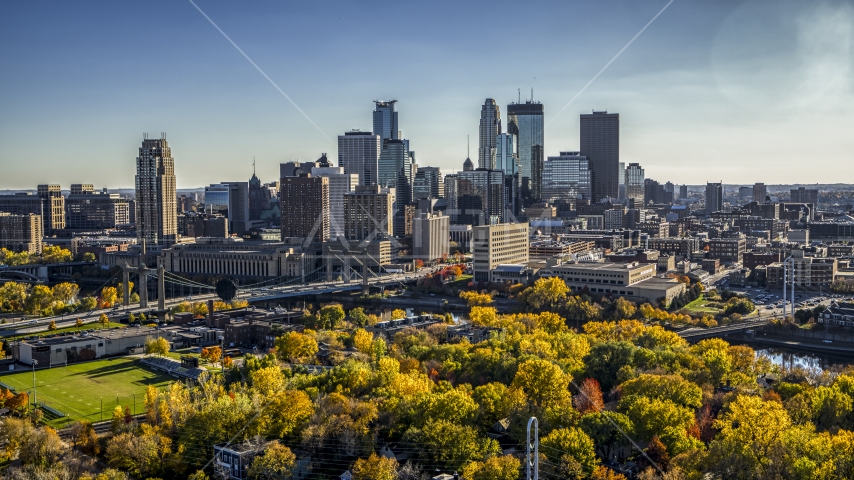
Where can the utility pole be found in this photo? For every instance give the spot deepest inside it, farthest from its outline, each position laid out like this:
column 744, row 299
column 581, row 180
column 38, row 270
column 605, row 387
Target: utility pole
column 35, row 392
column 532, row 451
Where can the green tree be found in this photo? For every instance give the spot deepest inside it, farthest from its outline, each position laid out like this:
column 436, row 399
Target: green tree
column 331, row 316
column 606, row 359
column 87, row 304
column 358, row 316
column 608, row 430
column 453, row 445
column 542, row 381
column 572, row 450
column 665, row 387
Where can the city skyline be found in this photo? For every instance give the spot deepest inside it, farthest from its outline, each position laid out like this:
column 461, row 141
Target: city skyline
column 735, row 100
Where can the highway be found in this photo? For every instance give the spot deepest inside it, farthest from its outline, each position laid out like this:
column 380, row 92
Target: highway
column 257, row 294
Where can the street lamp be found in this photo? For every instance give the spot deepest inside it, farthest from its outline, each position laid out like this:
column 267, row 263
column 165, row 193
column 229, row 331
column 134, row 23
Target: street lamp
column 35, row 393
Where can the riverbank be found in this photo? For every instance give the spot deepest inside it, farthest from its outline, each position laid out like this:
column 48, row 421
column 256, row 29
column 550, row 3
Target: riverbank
column 836, row 348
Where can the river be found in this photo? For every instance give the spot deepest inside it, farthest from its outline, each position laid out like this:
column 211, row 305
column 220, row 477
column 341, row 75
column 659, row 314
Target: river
column 793, row 358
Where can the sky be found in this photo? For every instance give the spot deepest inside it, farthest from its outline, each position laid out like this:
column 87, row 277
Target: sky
column 733, row 91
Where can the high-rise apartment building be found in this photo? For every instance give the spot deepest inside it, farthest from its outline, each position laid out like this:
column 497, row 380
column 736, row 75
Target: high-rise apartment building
column 305, row 207
column 600, row 143
column 634, row 183
column 53, row 208
column 431, row 236
column 385, row 120
column 490, row 128
column 156, row 199
column 760, row 192
column 714, row 197
column 525, row 121
column 368, row 213
column 21, row 232
column 340, row 184
column 804, row 195
column 566, row 177
column 359, row 153
column 495, row 245
column 683, row 191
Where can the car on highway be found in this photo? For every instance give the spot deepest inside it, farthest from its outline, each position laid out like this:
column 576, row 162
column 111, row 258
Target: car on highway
column 828, row 341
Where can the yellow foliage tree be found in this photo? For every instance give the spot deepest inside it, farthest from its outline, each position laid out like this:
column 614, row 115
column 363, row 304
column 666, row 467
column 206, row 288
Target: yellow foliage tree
column 483, row 316
column 363, row 341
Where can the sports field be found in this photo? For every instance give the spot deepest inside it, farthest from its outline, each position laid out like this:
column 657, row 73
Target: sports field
column 78, row 389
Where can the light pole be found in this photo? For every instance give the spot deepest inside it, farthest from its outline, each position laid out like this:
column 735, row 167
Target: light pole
column 35, row 393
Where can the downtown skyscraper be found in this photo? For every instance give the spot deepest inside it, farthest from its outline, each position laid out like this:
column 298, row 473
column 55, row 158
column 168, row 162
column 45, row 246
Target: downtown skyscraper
column 359, row 154
column 490, row 128
column 156, row 209
column 525, row 121
column 600, row 143
column 385, row 120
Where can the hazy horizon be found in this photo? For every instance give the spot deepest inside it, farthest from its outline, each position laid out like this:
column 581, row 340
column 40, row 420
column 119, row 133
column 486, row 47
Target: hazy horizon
column 738, row 91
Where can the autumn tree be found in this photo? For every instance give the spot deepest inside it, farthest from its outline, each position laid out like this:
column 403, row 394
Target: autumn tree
column 277, row 461
column 108, row 296
column 157, row 346
column 398, row 314
column 363, row 341
column 505, row 467
column 78, row 323
column 474, row 298
column 608, row 430
column 296, row 347
column 375, row 467
column 546, row 292
column 104, row 320
column 65, row 292
column 589, row 398
column 51, row 326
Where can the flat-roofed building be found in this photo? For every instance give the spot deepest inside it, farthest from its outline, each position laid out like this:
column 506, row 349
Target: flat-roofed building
column 430, row 236
column 632, row 280
column 810, row 272
column 305, row 207
column 493, row 245
column 21, row 233
column 234, row 257
column 53, row 208
column 545, row 249
column 96, row 211
column 728, row 250
column 681, row 246
column 369, row 213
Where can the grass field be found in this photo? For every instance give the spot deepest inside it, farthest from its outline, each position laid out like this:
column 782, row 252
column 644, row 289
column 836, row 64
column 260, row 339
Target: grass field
column 78, row 389
column 699, row 306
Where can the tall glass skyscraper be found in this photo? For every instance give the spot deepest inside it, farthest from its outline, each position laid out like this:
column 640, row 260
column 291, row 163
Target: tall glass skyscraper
column 385, row 120
column 566, row 177
column 634, row 180
column 490, row 128
column 525, row 120
column 359, row 153
column 600, row 143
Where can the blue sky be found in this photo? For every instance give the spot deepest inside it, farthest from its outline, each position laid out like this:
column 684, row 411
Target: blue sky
column 739, row 91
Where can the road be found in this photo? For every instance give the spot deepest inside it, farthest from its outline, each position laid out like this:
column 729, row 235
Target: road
column 40, row 324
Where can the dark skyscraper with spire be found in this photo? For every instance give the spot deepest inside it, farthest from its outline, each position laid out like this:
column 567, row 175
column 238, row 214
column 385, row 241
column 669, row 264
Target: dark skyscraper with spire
column 490, row 127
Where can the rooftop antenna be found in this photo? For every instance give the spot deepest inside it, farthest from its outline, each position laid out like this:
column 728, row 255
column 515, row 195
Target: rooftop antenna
column 253, row 165
column 519, row 92
column 532, row 94
column 468, row 146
